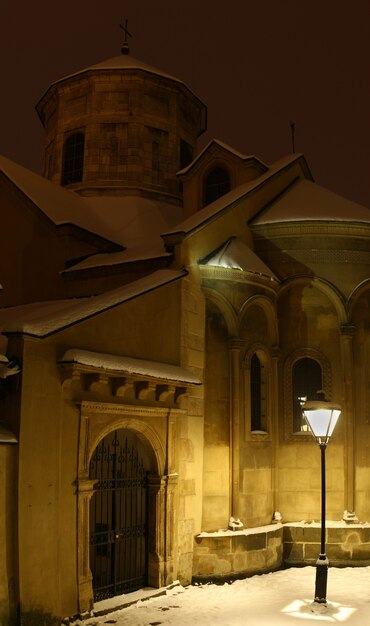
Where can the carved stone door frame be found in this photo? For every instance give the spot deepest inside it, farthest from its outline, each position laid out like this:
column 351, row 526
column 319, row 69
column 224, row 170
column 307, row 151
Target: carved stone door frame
column 97, row 419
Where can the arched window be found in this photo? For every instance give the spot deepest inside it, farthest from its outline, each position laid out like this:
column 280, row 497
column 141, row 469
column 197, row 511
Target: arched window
column 186, row 154
column 306, row 382
column 155, row 156
column 217, row 183
column 257, row 394
column 73, row 159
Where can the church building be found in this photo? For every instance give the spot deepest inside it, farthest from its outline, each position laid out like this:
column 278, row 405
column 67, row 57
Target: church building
column 164, row 311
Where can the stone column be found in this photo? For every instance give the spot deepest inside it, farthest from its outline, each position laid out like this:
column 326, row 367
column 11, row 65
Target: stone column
column 234, row 352
column 347, row 333
column 161, row 539
column 274, row 408
column 85, row 491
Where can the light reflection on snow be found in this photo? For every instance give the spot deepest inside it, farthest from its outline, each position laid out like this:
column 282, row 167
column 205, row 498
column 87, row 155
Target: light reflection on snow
column 306, row 609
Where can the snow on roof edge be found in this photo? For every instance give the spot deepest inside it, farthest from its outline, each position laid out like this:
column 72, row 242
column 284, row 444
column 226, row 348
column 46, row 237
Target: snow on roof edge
column 234, row 254
column 226, row 147
column 105, row 66
column 211, row 211
column 131, row 365
column 48, row 324
column 6, row 436
column 110, row 259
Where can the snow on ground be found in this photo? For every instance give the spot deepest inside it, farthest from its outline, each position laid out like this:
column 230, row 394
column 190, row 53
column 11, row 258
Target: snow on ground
column 281, row 598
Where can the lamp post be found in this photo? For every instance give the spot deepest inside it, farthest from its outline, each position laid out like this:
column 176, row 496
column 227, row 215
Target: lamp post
column 321, row 417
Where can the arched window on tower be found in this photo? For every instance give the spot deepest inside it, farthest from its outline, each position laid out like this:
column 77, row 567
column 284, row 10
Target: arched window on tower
column 155, row 156
column 186, row 154
column 257, row 394
column 217, row 183
column 73, row 159
column 306, row 382
column 155, row 162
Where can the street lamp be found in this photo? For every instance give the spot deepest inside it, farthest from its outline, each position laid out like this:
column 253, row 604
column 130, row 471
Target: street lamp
column 321, row 417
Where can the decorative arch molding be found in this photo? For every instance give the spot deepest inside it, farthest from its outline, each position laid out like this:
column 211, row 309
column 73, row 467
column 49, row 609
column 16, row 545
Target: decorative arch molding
column 260, row 349
column 97, row 419
column 226, row 309
column 269, row 310
column 327, row 384
column 356, row 294
column 332, row 293
column 144, row 430
column 214, row 164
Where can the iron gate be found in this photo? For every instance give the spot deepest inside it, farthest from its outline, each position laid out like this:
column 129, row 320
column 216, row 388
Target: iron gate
column 118, row 516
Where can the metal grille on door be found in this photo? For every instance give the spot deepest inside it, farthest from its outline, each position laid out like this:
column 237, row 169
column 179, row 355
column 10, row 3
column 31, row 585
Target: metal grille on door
column 118, row 516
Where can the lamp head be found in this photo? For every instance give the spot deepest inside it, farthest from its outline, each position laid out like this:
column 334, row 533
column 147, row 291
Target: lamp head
column 321, row 417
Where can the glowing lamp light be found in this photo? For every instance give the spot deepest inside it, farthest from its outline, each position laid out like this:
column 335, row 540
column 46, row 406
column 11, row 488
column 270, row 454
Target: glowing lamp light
column 321, row 417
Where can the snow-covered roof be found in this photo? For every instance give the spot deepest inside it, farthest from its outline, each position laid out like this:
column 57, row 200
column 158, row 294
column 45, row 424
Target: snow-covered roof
column 306, row 200
column 6, row 436
column 129, row 365
column 118, row 258
column 213, row 210
column 44, row 318
column 8, row 368
column 121, row 62
column 235, row 254
column 227, row 148
column 60, row 205
column 134, row 222
column 118, row 63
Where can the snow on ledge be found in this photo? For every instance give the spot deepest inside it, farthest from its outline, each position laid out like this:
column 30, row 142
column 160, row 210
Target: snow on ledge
column 6, row 436
column 269, row 527
column 245, row 531
column 129, row 365
column 328, row 524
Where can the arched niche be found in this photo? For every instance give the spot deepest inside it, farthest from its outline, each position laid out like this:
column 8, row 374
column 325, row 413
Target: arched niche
column 216, row 182
column 216, row 377
column 309, row 311
column 359, row 315
column 225, row 309
column 257, row 321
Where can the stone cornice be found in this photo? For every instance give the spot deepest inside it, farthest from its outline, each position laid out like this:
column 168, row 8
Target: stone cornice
column 310, row 227
column 91, row 407
column 125, row 389
column 238, row 276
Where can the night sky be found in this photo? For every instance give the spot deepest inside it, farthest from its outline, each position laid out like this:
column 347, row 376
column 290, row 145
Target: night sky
column 257, row 65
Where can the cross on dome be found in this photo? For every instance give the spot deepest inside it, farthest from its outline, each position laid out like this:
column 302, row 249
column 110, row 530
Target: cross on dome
column 125, row 47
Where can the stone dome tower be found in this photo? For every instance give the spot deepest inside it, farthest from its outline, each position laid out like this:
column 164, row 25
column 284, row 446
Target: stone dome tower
column 120, row 127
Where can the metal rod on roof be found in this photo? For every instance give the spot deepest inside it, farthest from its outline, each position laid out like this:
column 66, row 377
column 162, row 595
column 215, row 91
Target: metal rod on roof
column 292, row 130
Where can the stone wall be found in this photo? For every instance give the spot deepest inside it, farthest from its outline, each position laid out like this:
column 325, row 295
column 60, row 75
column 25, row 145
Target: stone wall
column 345, row 546
column 228, row 555
column 8, row 533
column 238, row 554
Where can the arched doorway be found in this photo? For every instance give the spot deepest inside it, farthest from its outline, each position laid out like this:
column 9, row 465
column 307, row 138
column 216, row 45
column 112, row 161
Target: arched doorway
column 119, row 514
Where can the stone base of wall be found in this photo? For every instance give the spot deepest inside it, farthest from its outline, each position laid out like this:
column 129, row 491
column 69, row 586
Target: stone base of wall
column 227, row 556
column 345, row 546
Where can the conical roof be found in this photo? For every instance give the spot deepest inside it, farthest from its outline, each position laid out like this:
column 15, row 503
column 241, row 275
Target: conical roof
column 116, row 64
column 121, row 62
